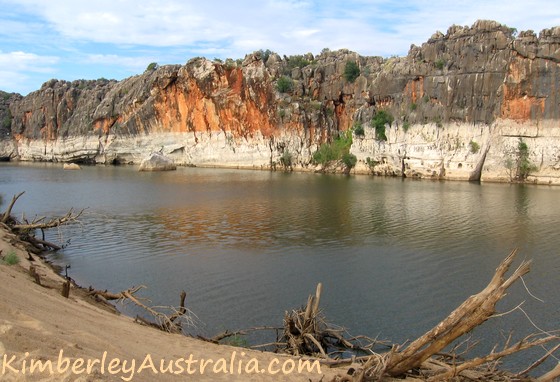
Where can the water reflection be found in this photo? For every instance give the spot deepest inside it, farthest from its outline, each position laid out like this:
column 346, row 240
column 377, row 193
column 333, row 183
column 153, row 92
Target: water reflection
column 394, row 256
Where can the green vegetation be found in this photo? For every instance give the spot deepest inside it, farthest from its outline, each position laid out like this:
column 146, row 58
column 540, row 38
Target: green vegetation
column 265, row 54
column 520, row 167
column 317, row 105
column 413, row 106
column 284, row 84
column 230, row 64
column 334, row 151
column 474, row 147
column 237, row 340
column 351, row 71
column 297, row 61
column 378, row 122
column 7, row 121
column 287, row 159
column 359, row 129
column 152, row 66
column 406, row 126
column 371, row 163
column 524, row 165
column 349, row 160
column 11, row 258
column 440, row 63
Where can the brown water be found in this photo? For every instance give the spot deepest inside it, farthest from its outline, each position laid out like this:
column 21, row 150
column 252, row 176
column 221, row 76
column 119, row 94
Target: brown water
column 394, row 256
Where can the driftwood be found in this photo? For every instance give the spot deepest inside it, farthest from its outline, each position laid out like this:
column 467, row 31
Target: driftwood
column 25, row 230
column 470, row 314
column 39, row 223
column 307, row 333
column 167, row 322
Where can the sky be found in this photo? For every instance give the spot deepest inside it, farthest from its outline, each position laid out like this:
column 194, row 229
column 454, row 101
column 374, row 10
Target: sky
column 115, row 39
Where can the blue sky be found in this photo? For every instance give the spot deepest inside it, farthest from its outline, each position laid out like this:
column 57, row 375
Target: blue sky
column 74, row 39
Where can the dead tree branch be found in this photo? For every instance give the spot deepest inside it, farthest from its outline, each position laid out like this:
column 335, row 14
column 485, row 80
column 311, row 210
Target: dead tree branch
column 473, row 312
column 70, row 217
column 169, row 323
column 8, row 212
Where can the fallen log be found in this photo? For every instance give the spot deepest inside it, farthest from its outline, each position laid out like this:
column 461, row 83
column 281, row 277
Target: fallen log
column 470, row 314
column 169, row 323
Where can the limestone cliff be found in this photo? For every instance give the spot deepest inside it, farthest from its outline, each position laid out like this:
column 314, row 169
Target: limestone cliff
column 462, row 99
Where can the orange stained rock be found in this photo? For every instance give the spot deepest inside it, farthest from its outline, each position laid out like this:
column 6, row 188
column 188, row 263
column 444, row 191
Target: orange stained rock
column 103, row 124
column 415, row 89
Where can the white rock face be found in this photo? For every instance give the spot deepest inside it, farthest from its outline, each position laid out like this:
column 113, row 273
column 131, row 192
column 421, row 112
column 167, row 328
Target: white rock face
column 157, row 162
column 426, row 151
column 446, row 151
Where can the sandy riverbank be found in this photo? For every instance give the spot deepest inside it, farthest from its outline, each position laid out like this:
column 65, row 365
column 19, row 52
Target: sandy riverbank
column 37, row 323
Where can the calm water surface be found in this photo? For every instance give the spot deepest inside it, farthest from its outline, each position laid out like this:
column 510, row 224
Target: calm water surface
column 394, row 256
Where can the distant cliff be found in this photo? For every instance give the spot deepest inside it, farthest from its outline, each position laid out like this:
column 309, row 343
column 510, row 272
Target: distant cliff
column 463, row 99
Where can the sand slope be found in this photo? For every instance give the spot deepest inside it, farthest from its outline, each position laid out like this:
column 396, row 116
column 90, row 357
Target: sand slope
column 36, row 323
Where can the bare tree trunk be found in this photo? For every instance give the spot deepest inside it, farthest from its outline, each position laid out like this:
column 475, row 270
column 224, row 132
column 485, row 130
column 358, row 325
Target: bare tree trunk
column 473, row 312
column 476, row 174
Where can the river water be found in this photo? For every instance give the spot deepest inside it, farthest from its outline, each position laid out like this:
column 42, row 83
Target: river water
column 394, row 256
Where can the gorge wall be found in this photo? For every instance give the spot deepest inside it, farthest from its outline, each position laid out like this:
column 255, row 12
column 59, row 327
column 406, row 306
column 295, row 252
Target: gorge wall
column 464, row 99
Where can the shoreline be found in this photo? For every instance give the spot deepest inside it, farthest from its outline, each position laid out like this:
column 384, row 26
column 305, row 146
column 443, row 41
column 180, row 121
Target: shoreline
column 299, row 170
column 37, row 324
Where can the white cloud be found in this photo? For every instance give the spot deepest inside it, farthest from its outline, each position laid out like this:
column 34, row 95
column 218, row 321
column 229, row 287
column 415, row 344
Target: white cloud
column 18, row 61
column 113, row 33
column 134, row 64
column 285, row 25
column 17, row 68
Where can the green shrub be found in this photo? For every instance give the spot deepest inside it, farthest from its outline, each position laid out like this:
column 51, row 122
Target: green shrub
column 518, row 166
column 7, row 122
column 152, row 66
column 297, row 61
column 371, row 163
column 349, row 160
column 379, row 121
column 11, row 258
column 406, row 126
column 329, row 152
column 265, row 54
column 440, row 63
column 286, row 159
column 284, row 84
column 413, row 106
column 230, row 64
column 359, row 129
column 351, row 71
column 524, row 165
column 474, row 147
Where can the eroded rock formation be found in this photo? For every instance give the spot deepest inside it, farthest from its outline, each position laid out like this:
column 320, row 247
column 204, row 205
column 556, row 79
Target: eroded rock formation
column 470, row 92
